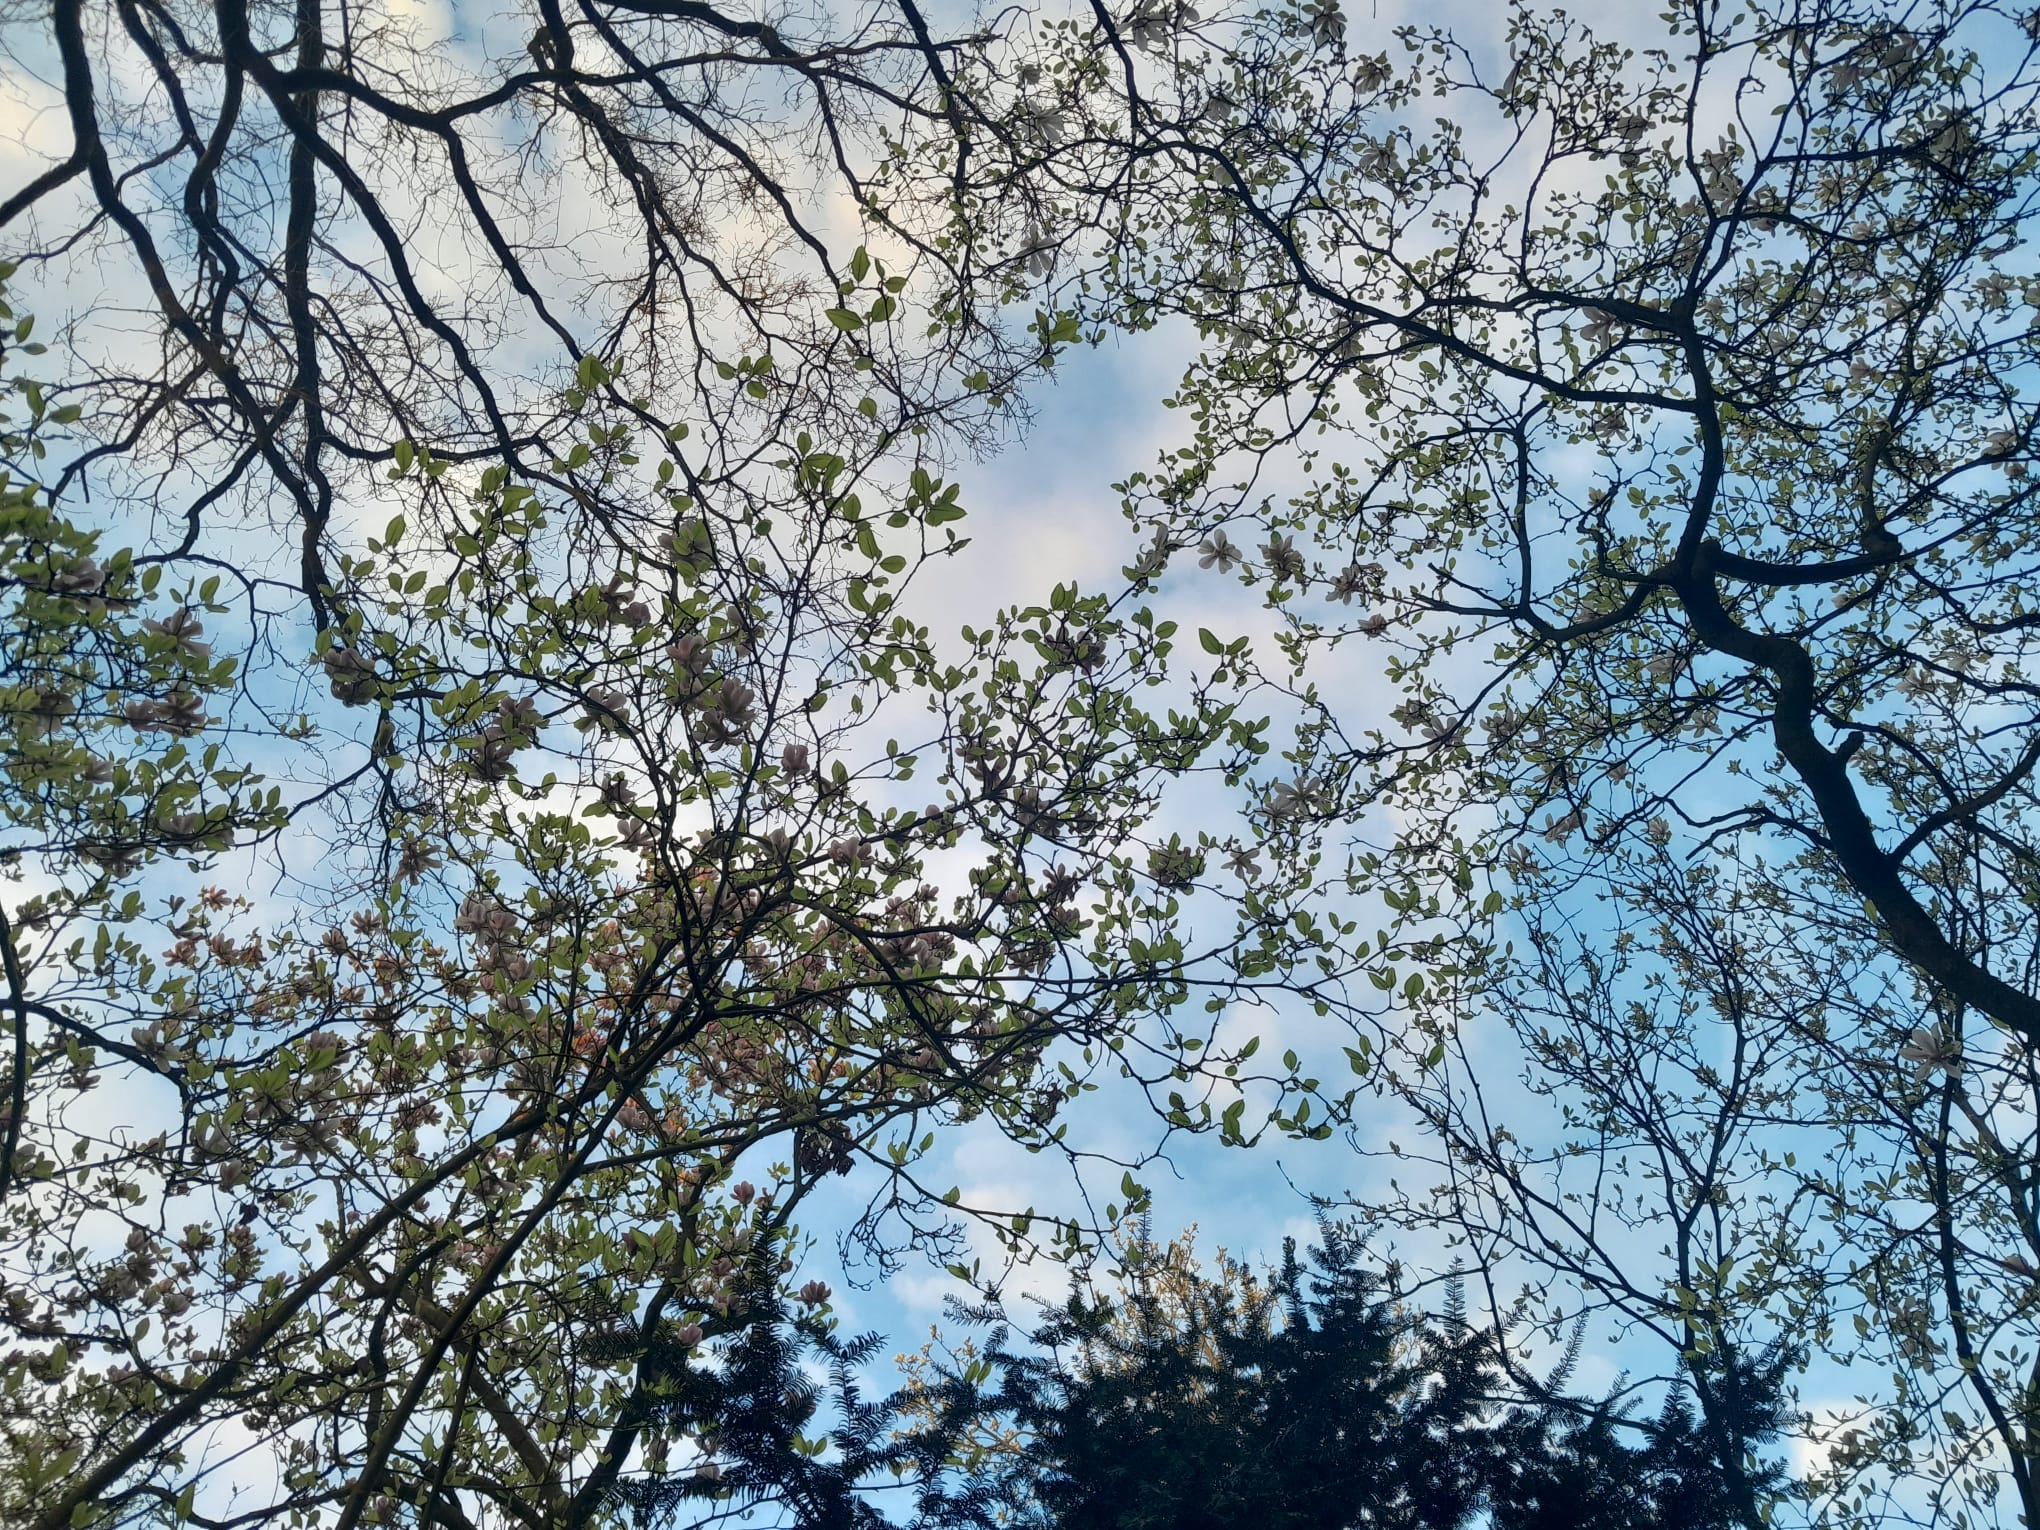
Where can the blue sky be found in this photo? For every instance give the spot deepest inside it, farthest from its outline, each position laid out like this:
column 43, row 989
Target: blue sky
column 1042, row 512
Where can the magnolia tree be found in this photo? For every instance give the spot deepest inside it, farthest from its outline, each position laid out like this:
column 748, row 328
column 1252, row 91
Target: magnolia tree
column 386, row 1183
column 1652, row 412
column 485, row 844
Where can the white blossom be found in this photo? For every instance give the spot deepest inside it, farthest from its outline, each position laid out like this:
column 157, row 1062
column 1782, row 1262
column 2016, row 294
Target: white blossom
column 1602, row 328
column 1284, row 561
column 1216, row 552
column 1557, row 830
column 1932, row 1049
column 1300, row 798
column 1377, row 161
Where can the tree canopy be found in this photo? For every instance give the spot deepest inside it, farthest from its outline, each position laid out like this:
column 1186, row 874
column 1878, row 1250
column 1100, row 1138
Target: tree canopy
column 487, row 838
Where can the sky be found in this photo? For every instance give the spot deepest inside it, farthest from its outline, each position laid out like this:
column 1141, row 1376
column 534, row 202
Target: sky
column 1042, row 512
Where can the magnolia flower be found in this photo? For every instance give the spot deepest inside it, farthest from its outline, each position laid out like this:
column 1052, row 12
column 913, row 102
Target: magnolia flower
column 518, row 717
column 607, row 709
column 1037, row 251
column 1216, row 552
column 180, row 714
column 1931, row 1049
column 1153, row 558
column 2001, row 443
column 1503, row 724
column 634, row 1117
column 349, row 675
column 1241, row 863
column 729, row 709
column 1413, row 713
column 1601, row 328
column 1717, row 171
column 814, row 1293
column 1148, row 28
column 685, row 543
column 1049, row 121
column 85, row 577
column 1445, row 733
column 1377, row 161
column 1355, row 579
column 47, row 707
column 183, row 627
column 482, row 914
column 689, row 653
column 416, row 859
column 793, row 759
column 1175, row 865
column 1995, row 290
column 1284, row 561
column 619, row 600
column 182, row 825
column 1296, row 799
column 1557, row 830
column 1374, row 625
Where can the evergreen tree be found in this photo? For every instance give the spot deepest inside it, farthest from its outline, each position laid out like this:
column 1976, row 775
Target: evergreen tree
column 1318, row 1399
column 1322, row 1401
